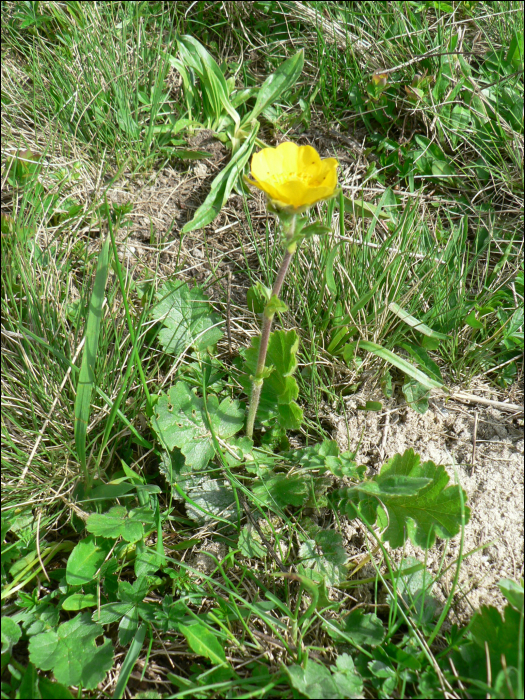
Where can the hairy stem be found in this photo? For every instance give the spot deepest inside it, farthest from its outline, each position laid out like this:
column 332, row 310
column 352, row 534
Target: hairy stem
column 265, row 337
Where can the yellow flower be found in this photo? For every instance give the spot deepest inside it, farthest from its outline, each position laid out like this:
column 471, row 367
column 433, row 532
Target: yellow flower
column 294, row 177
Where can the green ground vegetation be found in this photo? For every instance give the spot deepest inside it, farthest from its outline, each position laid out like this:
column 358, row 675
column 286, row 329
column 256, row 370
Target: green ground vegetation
column 124, row 400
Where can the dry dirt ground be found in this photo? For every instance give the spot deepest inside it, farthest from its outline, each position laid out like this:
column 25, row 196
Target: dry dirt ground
column 491, row 473
column 492, row 476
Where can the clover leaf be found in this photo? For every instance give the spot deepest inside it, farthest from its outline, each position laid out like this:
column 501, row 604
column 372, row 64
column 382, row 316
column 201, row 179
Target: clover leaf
column 58, row 651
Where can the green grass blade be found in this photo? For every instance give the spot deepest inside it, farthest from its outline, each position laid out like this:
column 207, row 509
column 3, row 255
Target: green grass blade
column 414, row 323
column 86, row 378
column 329, row 269
column 401, row 364
column 127, row 667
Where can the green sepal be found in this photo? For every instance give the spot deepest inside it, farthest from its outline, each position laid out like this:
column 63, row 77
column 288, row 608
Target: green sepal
column 275, row 305
column 315, row 229
column 262, row 375
column 257, row 297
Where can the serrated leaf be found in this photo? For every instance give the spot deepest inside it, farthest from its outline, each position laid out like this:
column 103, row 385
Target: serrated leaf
column 499, row 633
column 280, row 388
column 250, row 543
column 114, row 524
column 188, row 318
column 346, row 678
column 58, row 651
column 392, row 486
column 315, row 681
column 135, row 593
column 85, row 560
column 147, row 561
column 314, row 456
column 359, row 627
column 257, row 297
column 290, row 416
column 325, row 456
column 181, row 421
column 431, row 510
column 204, row 643
column 331, row 544
column 215, row 498
column 345, row 466
column 11, row 633
column 330, row 571
column 282, row 490
column 274, row 306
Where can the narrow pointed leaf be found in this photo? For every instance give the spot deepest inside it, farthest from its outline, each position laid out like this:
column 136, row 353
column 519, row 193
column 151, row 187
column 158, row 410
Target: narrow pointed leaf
column 86, row 378
column 214, row 82
column 413, row 322
column 277, row 83
column 401, row 364
column 204, row 643
column 129, row 662
column 222, row 185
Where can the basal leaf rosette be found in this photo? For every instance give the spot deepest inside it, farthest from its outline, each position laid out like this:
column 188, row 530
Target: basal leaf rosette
column 293, row 177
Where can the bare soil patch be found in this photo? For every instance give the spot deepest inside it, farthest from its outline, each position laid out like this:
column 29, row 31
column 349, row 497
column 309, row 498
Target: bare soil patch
column 493, row 481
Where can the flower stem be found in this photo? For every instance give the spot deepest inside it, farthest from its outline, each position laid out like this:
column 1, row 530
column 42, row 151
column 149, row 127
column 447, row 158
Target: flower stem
column 257, row 382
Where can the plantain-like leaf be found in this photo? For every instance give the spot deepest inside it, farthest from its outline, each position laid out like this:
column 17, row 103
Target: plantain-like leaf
column 223, row 185
column 401, row 364
column 213, row 81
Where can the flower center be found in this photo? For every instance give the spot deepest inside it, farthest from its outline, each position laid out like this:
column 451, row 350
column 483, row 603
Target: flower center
column 283, row 178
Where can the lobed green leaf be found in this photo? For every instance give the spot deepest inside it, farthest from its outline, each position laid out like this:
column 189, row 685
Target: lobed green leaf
column 58, row 651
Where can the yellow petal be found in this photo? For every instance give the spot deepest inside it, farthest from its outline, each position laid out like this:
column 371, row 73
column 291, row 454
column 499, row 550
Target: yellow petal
column 294, row 175
column 308, row 160
column 272, row 191
column 292, row 192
